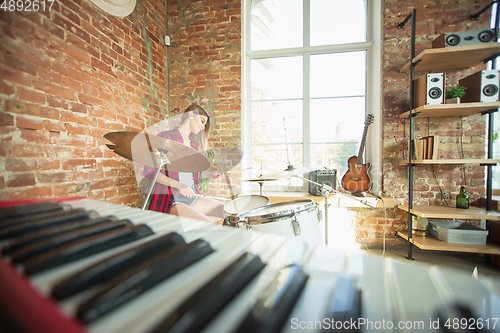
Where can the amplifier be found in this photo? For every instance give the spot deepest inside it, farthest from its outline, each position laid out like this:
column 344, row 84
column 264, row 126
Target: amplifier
column 464, row 38
column 323, row 177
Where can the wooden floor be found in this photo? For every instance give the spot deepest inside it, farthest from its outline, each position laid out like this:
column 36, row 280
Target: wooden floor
column 466, row 262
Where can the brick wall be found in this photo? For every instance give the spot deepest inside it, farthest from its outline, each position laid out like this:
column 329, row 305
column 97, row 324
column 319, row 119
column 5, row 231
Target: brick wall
column 68, row 76
column 433, row 18
column 205, row 68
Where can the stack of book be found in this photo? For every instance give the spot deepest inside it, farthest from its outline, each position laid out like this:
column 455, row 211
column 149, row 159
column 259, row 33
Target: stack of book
column 426, row 148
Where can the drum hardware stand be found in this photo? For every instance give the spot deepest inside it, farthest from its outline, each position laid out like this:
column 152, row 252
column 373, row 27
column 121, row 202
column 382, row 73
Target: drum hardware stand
column 296, row 226
column 163, row 161
column 290, row 166
column 326, row 190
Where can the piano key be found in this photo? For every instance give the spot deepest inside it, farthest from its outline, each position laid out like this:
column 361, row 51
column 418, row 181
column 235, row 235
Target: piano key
column 24, row 228
column 39, row 235
column 202, row 306
column 276, row 302
column 482, row 302
column 139, row 279
column 413, row 312
column 38, row 216
column 153, row 305
column 379, row 279
column 345, row 305
column 114, row 265
column 43, row 246
column 374, row 279
column 28, row 209
column 85, row 248
column 46, row 280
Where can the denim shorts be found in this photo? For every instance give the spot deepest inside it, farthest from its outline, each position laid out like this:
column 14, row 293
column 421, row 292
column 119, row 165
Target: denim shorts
column 179, row 198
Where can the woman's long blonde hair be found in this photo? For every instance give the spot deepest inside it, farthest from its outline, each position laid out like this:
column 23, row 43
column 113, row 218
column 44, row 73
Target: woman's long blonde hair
column 200, row 139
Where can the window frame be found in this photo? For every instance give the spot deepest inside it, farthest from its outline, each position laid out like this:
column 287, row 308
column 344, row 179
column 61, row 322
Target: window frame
column 373, row 89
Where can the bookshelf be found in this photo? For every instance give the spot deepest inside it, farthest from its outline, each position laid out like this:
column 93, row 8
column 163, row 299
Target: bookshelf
column 458, row 57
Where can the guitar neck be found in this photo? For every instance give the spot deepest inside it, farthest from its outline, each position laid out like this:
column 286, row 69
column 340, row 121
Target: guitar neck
column 362, row 146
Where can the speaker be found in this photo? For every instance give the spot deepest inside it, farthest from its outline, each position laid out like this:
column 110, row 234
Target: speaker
column 323, row 177
column 481, row 86
column 429, row 89
column 464, row 38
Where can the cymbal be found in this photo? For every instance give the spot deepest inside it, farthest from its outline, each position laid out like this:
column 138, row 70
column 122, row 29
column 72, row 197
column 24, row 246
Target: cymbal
column 289, row 172
column 261, row 180
column 146, row 149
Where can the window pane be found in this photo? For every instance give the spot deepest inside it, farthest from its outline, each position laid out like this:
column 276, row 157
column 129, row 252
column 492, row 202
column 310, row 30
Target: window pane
column 270, row 159
column 338, row 74
column 338, row 21
column 276, row 78
column 270, row 121
column 337, row 119
column 276, row 24
column 333, row 156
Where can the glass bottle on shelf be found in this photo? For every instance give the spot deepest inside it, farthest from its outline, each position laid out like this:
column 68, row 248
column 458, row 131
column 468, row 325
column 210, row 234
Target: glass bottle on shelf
column 462, row 199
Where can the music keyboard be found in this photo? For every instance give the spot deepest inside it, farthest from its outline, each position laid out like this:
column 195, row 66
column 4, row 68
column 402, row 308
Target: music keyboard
column 393, row 296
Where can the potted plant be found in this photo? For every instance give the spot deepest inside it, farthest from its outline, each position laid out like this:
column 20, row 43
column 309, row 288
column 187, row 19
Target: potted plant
column 203, row 183
column 454, row 93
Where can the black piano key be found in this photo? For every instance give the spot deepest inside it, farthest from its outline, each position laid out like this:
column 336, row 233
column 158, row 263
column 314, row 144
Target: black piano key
column 141, row 278
column 276, row 302
column 345, row 303
column 24, row 228
column 197, row 311
column 463, row 315
column 111, row 267
column 49, row 232
column 86, row 247
column 37, row 216
column 28, row 209
column 47, row 245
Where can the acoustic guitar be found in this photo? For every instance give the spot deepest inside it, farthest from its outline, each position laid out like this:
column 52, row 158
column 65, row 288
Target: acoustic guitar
column 357, row 179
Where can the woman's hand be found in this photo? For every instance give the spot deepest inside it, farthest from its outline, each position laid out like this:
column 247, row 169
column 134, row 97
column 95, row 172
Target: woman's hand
column 187, row 192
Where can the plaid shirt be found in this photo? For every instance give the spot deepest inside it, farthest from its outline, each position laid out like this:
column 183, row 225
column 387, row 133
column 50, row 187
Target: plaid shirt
column 163, row 196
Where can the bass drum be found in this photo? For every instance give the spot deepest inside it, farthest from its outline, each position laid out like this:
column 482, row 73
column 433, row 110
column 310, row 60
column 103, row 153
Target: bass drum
column 292, row 219
column 240, row 205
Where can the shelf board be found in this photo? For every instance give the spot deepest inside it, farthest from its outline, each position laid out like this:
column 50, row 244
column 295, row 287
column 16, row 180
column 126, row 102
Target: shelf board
column 451, row 110
column 453, row 57
column 448, row 212
column 452, row 161
column 434, row 244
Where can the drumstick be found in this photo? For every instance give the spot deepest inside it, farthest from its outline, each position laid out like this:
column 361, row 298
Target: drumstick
column 212, row 197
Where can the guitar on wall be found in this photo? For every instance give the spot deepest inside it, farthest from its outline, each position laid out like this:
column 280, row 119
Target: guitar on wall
column 357, row 179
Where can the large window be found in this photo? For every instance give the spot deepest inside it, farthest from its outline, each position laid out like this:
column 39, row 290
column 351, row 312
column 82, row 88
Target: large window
column 308, row 69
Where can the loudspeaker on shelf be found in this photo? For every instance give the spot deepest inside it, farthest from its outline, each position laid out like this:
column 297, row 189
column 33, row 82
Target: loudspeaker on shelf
column 481, row 86
column 323, row 177
column 429, row 89
column 464, row 38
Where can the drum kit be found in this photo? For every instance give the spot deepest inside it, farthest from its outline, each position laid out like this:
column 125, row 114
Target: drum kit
column 299, row 218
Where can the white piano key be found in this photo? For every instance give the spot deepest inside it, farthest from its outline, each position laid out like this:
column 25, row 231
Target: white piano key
column 457, row 287
column 412, row 288
column 371, row 277
column 142, row 312
column 288, row 252
column 46, row 280
column 391, row 291
column 309, row 314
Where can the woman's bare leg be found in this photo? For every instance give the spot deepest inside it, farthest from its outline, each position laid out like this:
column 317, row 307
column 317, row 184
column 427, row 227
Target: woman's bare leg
column 209, row 207
column 184, row 210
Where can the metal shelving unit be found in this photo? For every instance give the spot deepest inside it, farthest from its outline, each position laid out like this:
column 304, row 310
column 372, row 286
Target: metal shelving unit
column 438, row 59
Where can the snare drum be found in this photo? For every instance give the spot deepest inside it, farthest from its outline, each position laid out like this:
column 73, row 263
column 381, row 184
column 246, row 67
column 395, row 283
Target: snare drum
column 240, row 205
column 299, row 218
